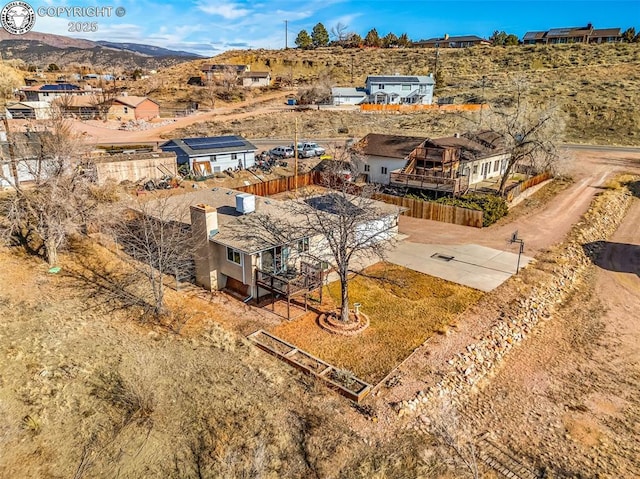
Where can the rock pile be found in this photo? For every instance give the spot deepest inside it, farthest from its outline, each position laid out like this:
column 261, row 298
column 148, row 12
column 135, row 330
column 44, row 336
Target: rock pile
column 518, row 320
column 140, row 125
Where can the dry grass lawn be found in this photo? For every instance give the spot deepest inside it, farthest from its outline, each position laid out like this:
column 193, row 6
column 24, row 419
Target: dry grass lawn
column 405, row 308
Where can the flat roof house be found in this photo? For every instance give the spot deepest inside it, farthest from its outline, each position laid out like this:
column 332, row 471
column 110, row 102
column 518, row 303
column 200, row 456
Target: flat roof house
column 209, row 155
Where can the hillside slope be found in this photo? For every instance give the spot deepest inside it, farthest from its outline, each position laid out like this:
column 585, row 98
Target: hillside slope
column 595, row 86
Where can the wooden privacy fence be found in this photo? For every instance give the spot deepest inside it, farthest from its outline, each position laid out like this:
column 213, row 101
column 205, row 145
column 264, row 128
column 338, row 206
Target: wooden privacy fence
column 280, row 185
column 517, row 190
column 428, row 210
column 463, row 107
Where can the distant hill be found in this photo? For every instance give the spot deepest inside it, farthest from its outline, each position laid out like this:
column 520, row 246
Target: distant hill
column 150, row 50
column 42, row 49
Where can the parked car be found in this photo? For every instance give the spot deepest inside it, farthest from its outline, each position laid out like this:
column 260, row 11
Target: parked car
column 309, row 150
column 282, row 152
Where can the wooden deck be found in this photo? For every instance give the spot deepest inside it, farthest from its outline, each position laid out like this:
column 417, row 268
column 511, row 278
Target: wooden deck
column 455, row 186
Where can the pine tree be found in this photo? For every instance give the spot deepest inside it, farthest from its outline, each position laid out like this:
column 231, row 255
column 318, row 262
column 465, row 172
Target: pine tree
column 303, row 40
column 372, row 39
column 390, row 40
column 319, row 36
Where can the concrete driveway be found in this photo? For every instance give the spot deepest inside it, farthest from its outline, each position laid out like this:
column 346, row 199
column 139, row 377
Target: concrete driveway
column 471, row 265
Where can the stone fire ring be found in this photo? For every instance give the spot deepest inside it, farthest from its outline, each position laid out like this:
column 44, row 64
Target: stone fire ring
column 357, row 323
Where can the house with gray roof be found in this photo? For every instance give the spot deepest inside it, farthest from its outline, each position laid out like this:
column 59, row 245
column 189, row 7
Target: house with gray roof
column 400, row 89
column 463, row 41
column 230, row 254
column 210, row 155
column 388, row 90
column 583, row 34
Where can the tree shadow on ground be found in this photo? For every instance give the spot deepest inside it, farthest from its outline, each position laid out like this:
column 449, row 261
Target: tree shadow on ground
column 106, row 284
column 634, row 187
column 617, row 257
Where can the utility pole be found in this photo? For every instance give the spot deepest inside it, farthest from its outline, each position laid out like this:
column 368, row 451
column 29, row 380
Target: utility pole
column 12, row 155
column 286, row 34
column 484, row 78
column 352, row 68
column 295, row 155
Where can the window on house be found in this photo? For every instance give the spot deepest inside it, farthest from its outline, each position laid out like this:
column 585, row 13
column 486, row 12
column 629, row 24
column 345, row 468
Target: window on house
column 214, row 158
column 383, row 170
column 381, row 86
column 475, row 169
column 496, row 165
column 234, row 156
column 126, row 110
column 303, row 245
column 367, row 168
column 234, row 256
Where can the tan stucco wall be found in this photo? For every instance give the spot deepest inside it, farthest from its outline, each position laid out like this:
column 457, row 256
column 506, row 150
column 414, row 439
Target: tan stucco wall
column 136, row 170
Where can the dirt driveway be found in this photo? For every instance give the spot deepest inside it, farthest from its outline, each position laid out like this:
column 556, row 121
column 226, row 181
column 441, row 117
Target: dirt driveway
column 95, row 133
column 545, row 226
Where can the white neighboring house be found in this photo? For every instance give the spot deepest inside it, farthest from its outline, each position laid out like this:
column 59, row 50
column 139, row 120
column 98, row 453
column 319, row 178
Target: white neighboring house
column 210, row 155
column 30, row 110
column 382, row 154
column 348, row 95
column 256, row 79
column 27, row 151
column 400, row 89
column 50, row 92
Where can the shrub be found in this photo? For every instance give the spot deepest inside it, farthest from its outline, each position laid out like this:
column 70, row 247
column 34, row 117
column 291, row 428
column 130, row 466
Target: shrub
column 493, row 207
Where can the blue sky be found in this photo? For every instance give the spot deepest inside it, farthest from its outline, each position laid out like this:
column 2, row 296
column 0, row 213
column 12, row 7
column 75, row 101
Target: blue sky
column 209, row 27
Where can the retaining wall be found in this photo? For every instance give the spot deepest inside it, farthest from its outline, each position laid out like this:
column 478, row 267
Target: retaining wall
column 482, row 357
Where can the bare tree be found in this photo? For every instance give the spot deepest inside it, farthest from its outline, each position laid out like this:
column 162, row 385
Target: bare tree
column 343, row 225
column 339, row 32
column 60, row 200
column 229, row 77
column 155, row 240
column 530, row 131
column 444, row 424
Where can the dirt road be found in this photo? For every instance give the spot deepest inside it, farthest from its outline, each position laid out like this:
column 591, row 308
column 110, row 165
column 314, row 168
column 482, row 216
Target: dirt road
column 265, row 104
column 548, row 224
column 569, row 398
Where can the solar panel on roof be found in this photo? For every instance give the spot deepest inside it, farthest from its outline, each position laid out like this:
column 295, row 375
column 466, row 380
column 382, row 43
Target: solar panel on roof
column 215, row 142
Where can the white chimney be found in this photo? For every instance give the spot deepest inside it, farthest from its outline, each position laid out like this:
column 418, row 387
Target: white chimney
column 245, row 203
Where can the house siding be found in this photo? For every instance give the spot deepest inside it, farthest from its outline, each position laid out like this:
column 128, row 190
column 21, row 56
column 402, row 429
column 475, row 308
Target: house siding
column 223, row 161
column 147, row 110
column 403, row 90
column 376, row 163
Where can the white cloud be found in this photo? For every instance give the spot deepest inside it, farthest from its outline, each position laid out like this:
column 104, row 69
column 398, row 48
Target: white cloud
column 230, row 11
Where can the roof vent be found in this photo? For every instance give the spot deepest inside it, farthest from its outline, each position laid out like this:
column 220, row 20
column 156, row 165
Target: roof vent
column 245, row 203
